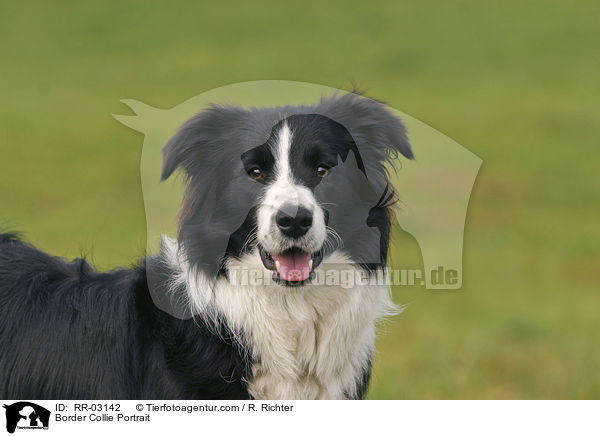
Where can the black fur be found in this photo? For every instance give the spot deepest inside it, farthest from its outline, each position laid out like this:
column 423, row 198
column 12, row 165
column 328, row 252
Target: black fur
column 67, row 332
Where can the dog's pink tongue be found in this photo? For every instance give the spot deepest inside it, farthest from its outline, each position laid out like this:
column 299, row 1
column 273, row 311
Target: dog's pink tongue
column 293, row 266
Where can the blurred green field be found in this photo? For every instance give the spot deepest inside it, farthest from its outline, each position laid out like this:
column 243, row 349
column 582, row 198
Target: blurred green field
column 516, row 82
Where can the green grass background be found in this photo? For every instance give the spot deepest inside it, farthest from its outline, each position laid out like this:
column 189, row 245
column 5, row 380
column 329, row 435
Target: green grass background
column 516, row 82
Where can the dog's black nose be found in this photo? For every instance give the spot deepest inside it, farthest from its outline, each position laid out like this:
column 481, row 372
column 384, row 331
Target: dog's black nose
column 294, row 227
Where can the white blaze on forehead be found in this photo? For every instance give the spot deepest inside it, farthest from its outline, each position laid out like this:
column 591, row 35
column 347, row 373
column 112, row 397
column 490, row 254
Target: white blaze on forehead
column 283, row 170
column 286, row 195
column 284, row 190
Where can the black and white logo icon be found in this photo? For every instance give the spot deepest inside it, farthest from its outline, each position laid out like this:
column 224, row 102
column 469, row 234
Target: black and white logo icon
column 26, row 415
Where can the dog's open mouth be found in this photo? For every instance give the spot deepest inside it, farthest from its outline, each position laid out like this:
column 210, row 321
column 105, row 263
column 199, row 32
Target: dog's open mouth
column 293, row 267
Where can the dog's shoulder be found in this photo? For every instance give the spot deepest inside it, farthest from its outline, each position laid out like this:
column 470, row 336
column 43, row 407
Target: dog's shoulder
column 62, row 322
column 31, row 274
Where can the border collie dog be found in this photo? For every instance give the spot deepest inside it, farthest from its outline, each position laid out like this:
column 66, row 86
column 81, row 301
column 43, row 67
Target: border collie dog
column 246, row 302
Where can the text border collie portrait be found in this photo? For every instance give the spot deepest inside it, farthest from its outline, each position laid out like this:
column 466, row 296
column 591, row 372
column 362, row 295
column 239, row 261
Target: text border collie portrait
column 287, row 192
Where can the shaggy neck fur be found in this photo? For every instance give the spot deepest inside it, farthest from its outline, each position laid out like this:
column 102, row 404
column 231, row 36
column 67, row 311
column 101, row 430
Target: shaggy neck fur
column 313, row 343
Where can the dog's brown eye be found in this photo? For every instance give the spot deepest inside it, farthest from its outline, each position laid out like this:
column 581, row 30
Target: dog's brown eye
column 255, row 173
column 322, row 172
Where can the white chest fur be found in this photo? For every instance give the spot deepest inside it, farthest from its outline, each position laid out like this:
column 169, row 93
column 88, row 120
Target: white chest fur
column 313, row 343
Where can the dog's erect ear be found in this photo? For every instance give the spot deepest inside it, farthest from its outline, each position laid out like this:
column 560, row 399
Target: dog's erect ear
column 190, row 148
column 374, row 127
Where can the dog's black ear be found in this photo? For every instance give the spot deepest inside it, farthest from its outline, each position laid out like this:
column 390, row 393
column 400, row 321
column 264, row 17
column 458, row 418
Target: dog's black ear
column 376, row 130
column 190, row 148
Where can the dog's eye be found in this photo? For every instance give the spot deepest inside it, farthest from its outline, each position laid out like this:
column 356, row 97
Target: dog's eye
column 255, row 173
column 322, row 172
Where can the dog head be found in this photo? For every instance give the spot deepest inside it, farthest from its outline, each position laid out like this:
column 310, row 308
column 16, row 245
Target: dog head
column 283, row 188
